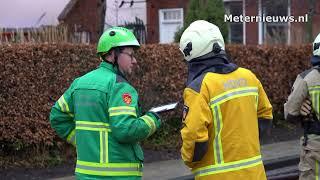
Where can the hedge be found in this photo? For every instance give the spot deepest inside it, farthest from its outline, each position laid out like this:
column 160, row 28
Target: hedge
column 34, row 76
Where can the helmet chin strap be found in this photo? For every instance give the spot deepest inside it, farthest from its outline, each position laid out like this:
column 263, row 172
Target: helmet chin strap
column 115, row 63
column 116, row 57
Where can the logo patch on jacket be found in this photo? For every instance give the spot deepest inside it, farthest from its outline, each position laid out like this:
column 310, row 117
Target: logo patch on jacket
column 126, row 97
column 185, row 112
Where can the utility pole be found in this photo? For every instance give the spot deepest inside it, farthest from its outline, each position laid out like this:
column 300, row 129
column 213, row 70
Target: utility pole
column 116, row 5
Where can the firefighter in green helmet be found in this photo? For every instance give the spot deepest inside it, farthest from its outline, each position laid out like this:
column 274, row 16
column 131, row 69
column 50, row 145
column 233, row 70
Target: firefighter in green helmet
column 99, row 113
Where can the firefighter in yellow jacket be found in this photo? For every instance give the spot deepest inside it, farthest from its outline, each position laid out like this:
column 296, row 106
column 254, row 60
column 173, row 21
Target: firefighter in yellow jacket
column 222, row 106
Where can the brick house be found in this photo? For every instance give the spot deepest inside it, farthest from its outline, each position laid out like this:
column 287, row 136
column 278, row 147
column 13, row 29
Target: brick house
column 120, row 12
column 164, row 18
column 85, row 19
column 275, row 32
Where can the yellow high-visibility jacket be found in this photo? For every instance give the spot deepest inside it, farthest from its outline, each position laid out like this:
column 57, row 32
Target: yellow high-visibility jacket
column 220, row 125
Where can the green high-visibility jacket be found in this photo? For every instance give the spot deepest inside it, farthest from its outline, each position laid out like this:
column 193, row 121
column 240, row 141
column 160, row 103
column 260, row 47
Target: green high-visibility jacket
column 99, row 114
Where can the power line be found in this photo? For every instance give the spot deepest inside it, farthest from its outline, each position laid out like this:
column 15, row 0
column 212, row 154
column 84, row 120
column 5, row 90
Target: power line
column 130, row 2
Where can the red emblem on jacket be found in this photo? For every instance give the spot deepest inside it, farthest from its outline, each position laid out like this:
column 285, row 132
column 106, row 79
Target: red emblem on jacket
column 126, row 97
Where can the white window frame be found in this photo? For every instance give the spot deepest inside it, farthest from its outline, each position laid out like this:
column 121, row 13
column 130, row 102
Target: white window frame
column 161, row 15
column 227, row 10
column 262, row 26
column 163, row 21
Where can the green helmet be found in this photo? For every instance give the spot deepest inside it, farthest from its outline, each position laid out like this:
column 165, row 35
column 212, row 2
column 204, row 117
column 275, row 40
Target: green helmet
column 116, row 37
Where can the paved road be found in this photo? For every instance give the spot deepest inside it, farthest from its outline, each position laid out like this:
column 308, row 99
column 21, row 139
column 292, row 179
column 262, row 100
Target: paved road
column 272, row 154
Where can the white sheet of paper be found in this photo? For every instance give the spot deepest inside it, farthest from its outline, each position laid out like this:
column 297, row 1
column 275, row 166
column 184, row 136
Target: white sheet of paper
column 164, row 107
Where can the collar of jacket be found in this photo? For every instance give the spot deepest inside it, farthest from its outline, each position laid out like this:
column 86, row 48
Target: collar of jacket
column 216, row 63
column 315, row 60
column 109, row 66
column 112, row 68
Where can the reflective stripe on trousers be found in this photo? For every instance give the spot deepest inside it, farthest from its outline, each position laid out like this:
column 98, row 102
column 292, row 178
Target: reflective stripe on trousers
column 219, row 164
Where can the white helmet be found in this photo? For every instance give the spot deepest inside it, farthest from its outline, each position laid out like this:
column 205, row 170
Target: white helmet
column 316, row 46
column 199, row 38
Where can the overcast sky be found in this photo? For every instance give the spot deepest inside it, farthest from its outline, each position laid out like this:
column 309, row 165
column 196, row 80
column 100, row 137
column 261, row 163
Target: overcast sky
column 26, row 13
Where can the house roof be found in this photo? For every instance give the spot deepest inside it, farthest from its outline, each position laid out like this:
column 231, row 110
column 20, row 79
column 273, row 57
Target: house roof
column 67, row 9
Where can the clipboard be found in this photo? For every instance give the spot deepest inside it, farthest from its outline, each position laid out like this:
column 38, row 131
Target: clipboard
column 164, row 108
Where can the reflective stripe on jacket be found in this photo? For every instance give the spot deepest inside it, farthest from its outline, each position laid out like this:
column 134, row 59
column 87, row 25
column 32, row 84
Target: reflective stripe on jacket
column 220, row 129
column 314, row 92
column 307, row 84
column 99, row 114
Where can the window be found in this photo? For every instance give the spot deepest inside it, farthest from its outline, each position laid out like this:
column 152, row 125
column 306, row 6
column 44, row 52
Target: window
column 172, row 15
column 170, row 21
column 275, row 32
column 235, row 28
